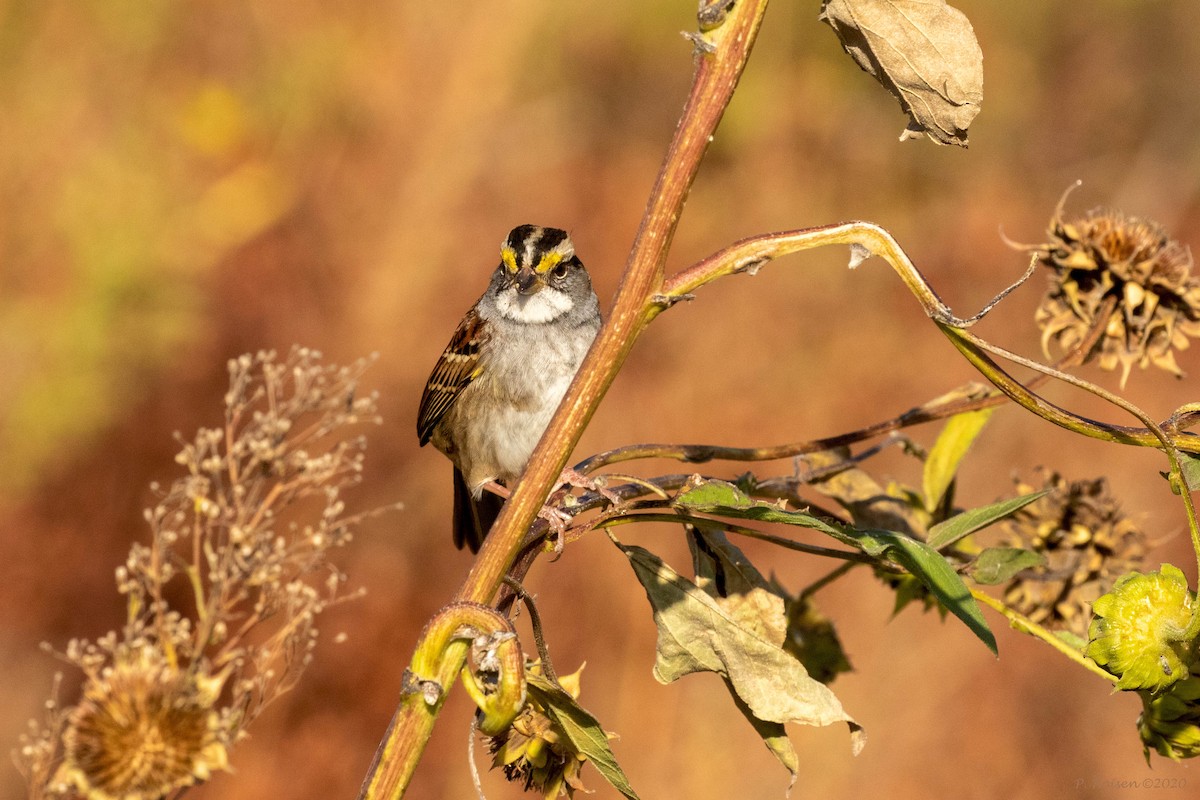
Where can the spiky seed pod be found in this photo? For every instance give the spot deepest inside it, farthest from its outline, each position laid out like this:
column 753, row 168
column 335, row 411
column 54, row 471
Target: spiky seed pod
column 1126, row 276
column 1138, row 629
column 142, row 731
column 1087, row 541
column 1170, row 722
column 536, row 752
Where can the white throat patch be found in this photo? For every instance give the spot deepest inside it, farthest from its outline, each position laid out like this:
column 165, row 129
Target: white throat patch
column 545, row 306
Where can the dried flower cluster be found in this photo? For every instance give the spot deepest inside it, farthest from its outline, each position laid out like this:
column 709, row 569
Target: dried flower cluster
column 1124, row 278
column 1088, row 543
column 246, row 533
column 535, row 751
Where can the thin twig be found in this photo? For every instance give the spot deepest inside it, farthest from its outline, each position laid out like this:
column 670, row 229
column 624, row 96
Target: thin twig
column 471, row 759
column 966, row 398
column 790, row 544
column 1152, row 435
column 535, row 620
column 821, row 583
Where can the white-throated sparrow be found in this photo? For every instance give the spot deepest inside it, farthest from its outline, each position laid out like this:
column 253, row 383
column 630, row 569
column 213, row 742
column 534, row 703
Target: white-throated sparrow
column 498, row 382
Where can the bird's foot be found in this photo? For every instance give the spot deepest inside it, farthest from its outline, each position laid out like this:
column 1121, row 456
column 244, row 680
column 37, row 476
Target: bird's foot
column 576, row 479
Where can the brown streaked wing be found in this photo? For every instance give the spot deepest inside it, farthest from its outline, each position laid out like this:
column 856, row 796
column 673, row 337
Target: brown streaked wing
column 455, row 369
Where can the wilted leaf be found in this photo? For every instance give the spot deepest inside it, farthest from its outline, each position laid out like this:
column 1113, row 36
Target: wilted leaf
column 870, row 505
column 961, row 525
column 999, row 564
column 585, row 733
column 724, row 572
column 773, row 734
column 922, row 51
column 812, row 638
column 924, row 562
column 763, row 606
column 696, row 634
column 952, row 444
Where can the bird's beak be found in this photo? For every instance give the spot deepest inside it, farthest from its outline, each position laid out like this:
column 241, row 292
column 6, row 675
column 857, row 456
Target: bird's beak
column 529, row 282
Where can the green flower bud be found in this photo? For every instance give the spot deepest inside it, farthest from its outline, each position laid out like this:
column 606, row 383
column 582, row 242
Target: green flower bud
column 1137, row 630
column 1170, row 722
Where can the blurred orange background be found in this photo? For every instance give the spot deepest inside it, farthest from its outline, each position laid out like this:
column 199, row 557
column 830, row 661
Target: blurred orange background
column 183, row 182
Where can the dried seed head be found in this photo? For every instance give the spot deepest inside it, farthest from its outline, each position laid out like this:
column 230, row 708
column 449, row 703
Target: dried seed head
column 535, row 751
column 141, row 731
column 1087, row 541
column 1126, row 277
column 248, row 527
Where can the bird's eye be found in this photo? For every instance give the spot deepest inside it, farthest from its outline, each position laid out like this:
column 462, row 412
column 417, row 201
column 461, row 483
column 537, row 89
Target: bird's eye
column 560, row 271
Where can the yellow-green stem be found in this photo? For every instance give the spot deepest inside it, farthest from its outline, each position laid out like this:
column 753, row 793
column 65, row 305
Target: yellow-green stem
column 1152, row 435
column 1022, row 623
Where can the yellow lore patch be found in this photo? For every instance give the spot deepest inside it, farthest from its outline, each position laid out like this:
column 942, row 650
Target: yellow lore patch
column 509, row 257
column 549, row 261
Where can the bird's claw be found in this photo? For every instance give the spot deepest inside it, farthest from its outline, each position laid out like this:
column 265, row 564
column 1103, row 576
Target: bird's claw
column 572, row 477
column 557, row 520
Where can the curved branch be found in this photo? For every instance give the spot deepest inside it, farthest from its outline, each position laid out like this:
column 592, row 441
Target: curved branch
column 749, row 255
column 1151, row 436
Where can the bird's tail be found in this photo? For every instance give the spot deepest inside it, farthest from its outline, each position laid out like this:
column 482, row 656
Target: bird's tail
column 473, row 518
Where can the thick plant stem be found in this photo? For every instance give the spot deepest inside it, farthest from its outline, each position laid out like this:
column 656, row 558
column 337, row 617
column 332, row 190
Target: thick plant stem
column 721, row 55
column 719, row 64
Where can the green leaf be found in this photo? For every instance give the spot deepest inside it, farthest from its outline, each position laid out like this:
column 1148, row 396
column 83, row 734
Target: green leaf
column 698, row 634
column 908, row 590
column 948, row 452
column 581, row 728
column 714, row 493
column 924, row 562
column 726, row 500
column 999, row 564
column 1190, row 466
column 933, row 570
column 957, row 527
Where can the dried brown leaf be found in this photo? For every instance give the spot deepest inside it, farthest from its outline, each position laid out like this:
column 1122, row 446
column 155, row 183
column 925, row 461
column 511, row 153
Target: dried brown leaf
column 922, row 51
column 698, row 634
